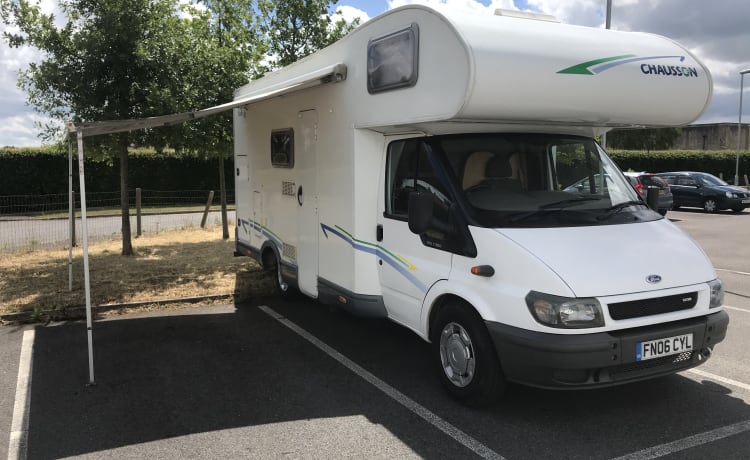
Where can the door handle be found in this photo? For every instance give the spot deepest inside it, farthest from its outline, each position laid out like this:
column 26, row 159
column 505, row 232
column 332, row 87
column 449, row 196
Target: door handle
column 379, row 232
column 300, row 198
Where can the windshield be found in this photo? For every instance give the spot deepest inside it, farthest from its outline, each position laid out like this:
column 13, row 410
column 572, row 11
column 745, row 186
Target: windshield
column 711, row 180
column 533, row 180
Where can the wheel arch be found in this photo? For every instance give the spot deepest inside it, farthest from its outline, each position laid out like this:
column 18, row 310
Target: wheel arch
column 440, row 295
column 269, row 255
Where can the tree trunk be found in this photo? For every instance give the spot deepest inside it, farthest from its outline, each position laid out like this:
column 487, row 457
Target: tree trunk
column 127, row 246
column 223, row 194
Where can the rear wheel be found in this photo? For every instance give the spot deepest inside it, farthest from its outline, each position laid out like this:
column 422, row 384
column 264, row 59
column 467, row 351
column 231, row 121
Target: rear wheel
column 282, row 288
column 465, row 356
column 710, row 205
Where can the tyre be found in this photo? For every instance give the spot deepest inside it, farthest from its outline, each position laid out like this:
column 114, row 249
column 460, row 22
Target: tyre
column 737, row 209
column 710, row 205
column 465, row 356
column 663, row 212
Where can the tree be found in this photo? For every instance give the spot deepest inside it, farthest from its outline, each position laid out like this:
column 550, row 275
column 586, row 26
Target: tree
column 297, row 28
column 111, row 60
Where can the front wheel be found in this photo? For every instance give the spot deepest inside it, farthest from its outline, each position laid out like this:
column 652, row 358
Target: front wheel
column 465, row 356
column 737, row 209
column 710, row 205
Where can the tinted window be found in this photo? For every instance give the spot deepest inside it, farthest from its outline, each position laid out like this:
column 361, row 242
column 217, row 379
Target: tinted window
column 282, row 148
column 393, row 60
column 410, row 170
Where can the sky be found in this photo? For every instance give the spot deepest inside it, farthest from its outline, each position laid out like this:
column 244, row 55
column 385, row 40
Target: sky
column 716, row 31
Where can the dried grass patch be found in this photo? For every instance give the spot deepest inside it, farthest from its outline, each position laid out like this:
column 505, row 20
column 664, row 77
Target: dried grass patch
column 167, row 265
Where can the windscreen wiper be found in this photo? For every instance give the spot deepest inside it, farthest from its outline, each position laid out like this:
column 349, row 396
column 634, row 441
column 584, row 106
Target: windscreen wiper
column 619, row 207
column 550, row 207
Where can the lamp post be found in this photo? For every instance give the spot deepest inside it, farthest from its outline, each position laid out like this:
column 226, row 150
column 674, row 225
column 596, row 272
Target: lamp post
column 607, row 24
column 739, row 129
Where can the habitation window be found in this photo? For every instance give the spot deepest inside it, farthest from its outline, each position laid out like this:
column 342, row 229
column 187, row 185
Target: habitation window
column 393, row 60
column 282, row 148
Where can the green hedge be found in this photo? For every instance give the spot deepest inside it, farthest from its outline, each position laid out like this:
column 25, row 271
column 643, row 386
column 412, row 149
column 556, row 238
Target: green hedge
column 27, row 173
column 716, row 162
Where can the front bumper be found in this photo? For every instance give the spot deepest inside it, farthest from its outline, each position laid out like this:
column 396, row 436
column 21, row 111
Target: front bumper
column 600, row 359
column 734, row 203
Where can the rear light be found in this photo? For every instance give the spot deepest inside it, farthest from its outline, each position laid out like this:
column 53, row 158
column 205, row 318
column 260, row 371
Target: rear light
column 639, row 188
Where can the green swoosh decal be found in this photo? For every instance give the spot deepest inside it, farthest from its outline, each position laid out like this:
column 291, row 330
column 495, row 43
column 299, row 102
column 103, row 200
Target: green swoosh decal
column 583, row 68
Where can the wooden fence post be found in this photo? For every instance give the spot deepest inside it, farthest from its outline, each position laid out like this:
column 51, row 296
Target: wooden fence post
column 137, row 212
column 208, row 205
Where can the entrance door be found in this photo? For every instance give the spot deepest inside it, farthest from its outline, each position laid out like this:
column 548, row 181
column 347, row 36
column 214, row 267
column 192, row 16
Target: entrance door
column 307, row 201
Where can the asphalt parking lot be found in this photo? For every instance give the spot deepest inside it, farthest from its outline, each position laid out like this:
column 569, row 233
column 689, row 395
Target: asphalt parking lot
column 273, row 379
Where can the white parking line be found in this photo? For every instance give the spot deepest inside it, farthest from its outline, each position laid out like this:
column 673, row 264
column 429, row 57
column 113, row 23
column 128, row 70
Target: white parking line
column 458, row 435
column 687, row 443
column 731, row 271
column 737, row 309
column 19, row 427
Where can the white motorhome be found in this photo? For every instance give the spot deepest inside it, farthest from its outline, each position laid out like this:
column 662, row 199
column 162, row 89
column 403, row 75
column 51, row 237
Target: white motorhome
column 441, row 170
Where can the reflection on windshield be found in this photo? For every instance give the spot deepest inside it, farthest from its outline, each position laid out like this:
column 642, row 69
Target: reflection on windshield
column 529, row 180
column 711, row 180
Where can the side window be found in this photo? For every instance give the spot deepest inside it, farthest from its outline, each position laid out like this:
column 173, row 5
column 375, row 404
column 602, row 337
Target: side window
column 393, row 60
column 282, row 148
column 410, row 170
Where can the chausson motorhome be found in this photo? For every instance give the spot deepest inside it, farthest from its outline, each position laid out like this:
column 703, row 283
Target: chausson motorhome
column 441, row 170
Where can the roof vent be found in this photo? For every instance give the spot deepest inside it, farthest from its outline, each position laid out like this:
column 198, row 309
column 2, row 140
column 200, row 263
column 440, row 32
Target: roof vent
column 525, row 15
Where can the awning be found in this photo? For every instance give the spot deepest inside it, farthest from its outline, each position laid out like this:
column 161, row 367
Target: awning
column 330, row 74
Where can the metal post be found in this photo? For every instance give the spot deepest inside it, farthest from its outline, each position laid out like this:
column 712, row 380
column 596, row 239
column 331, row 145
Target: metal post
column 607, row 24
column 739, row 129
column 137, row 212
column 71, row 217
column 86, row 278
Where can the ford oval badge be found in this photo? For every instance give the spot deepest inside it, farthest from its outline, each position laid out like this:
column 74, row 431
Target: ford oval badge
column 653, row 279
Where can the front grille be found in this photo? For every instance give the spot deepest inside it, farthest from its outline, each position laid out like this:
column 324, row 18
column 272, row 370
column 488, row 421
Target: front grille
column 655, row 306
column 626, row 371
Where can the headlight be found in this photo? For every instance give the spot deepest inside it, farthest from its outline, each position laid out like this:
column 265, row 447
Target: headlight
column 717, row 293
column 730, row 195
column 564, row 312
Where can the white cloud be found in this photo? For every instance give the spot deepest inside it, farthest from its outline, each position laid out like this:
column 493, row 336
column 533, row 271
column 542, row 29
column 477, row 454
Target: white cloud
column 350, row 13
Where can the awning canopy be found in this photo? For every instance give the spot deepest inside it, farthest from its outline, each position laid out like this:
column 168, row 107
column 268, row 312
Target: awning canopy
column 330, row 74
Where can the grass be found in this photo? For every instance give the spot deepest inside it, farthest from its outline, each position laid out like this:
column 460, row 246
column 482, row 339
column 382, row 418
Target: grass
column 175, row 264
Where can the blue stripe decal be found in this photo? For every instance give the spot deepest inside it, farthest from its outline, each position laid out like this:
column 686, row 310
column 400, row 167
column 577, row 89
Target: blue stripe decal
column 267, row 234
column 404, row 271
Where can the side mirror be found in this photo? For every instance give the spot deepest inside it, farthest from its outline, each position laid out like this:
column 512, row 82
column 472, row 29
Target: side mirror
column 652, row 197
column 420, row 211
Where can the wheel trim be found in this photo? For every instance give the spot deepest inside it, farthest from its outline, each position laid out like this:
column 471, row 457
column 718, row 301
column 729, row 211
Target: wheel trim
column 709, row 205
column 457, row 355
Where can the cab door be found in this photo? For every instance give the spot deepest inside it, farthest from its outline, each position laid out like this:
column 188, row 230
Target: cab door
column 409, row 264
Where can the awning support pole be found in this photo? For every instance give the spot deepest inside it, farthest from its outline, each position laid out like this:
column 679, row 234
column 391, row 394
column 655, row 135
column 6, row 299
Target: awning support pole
column 71, row 216
column 85, row 231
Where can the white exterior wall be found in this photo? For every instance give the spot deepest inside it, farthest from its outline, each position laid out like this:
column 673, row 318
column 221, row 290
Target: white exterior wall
column 517, row 63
